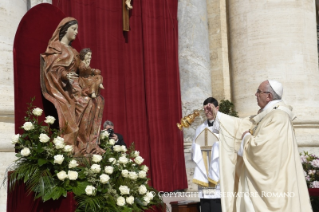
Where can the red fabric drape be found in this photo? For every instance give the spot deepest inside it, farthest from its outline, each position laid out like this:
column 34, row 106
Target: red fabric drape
column 20, row 200
column 140, row 70
column 141, row 77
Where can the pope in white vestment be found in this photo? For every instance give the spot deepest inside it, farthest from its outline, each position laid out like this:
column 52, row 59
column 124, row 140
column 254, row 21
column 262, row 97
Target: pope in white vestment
column 260, row 167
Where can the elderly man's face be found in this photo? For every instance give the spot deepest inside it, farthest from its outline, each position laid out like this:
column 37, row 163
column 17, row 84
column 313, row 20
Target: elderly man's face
column 208, row 113
column 263, row 97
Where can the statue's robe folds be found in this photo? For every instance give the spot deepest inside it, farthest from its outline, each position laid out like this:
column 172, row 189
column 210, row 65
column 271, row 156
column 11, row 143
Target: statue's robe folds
column 269, row 176
column 79, row 116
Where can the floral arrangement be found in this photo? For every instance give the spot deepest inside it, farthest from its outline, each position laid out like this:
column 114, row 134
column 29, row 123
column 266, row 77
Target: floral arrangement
column 310, row 164
column 114, row 181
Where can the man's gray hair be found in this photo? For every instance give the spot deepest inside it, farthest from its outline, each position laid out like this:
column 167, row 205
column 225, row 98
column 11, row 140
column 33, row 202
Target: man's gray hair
column 107, row 122
column 275, row 96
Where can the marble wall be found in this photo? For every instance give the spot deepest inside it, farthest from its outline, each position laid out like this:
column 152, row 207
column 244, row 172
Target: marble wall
column 194, row 68
column 277, row 40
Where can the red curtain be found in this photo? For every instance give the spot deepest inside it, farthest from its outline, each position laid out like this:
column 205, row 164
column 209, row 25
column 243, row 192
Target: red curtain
column 141, row 78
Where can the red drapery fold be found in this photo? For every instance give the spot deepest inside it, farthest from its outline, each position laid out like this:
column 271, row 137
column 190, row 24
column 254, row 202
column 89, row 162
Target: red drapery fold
column 141, row 78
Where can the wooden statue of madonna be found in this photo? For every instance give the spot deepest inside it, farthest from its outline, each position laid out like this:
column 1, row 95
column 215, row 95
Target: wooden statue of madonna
column 76, row 98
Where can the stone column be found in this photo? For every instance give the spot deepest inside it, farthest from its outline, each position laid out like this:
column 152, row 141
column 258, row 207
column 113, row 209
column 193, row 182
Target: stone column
column 276, row 40
column 36, row 2
column 11, row 13
column 218, row 45
column 194, row 67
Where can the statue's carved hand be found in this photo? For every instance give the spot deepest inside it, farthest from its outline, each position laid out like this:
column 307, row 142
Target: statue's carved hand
column 71, row 76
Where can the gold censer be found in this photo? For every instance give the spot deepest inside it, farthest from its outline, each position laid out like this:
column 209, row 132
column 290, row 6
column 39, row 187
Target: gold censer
column 186, row 121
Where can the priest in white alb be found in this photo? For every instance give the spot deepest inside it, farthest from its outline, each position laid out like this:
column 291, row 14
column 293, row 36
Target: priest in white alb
column 260, row 167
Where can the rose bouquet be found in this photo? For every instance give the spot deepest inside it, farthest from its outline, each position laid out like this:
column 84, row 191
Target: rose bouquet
column 310, row 164
column 114, row 181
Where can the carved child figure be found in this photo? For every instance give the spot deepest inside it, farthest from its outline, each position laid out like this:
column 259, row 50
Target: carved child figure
column 90, row 79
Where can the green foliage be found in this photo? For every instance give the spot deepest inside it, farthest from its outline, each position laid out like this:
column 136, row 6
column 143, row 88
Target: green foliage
column 227, row 107
column 50, row 178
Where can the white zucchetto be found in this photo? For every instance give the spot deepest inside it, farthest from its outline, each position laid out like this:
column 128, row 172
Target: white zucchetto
column 276, row 86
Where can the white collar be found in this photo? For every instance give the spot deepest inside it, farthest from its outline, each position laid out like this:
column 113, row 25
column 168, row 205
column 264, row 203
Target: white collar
column 270, row 104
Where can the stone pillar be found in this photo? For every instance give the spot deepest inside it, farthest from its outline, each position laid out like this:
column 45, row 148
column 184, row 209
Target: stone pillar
column 36, row 2
column 194, row 67
column 218, row 45
column 11, row 13
column 276, row 40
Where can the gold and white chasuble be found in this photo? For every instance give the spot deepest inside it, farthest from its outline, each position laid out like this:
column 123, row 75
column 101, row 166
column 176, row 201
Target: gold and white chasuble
column 269, row 175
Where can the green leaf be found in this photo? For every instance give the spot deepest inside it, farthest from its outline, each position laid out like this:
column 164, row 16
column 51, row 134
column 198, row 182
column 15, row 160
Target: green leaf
column 42, row 161
column 80, row 188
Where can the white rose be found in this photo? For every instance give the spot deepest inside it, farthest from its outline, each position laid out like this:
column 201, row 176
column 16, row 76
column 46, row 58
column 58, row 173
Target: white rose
column 44, row 138
column 311, row 172
column 123, row 148
column 142, row 174
column 108, row 169
column 59, row 142
column 112, row 141
column 120, row 201
column 130, row 200
column 96, row 158
column 90, row 190
column 96, row 168
column 104, row 134
column 117, row 148
column 136, row 153
column 315, row 163
column 124, row 190
column 150, row 195
column 58, row 159
column 68, row 148
column 132, row 175
column 25, row 152
column 73, row 175
column 123, row 160
column 124, row 173
column 112, row 160
column 73, row 163
column 37, row 111
column 28, row 126
column 142, row 189
column 146, row 200
column 314, row 184
column 49, row 120
column 144, row 168
column 15, row 139
column 62, row 175
column 104, row 178
column 138, row 160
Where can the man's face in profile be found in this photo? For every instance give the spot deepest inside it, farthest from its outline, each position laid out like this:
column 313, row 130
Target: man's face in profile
column 208, row 113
